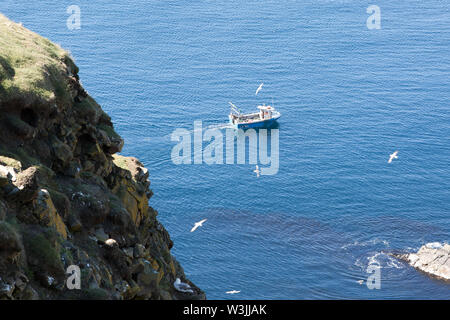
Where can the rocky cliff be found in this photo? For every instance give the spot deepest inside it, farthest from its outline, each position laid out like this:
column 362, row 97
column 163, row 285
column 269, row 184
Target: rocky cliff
column 66, row 196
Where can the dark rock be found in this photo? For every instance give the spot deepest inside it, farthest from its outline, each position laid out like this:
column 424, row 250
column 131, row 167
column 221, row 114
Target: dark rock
column 20, row 128
column 119, row 260
column 61, row 151
column 27, row 184
column 6, row 290
column 4, row 177
column 3, row 210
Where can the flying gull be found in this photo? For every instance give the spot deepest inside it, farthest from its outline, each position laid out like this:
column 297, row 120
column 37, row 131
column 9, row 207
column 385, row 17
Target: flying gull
column 198, row 224
column 259, row 89
column 257, row 171
column 233, row 291
column 393, row 156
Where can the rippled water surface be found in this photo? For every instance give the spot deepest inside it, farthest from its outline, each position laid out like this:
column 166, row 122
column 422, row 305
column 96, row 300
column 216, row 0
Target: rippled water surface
column 349, row 97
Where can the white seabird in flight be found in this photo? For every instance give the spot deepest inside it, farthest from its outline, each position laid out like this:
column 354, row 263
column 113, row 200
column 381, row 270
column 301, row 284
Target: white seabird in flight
column 233, row 292
column 257, row 171
column 259, row 89
column 393, row 156
column 198, row 224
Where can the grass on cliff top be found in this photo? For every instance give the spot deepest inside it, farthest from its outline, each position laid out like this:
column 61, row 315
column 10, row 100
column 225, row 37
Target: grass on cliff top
column 31, row 66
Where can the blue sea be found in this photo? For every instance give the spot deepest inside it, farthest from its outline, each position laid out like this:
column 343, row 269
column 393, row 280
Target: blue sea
column 349, row 97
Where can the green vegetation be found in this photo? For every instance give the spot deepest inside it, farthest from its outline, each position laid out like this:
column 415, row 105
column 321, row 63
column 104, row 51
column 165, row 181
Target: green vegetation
column 13, row 223
column 88, row 108
column 60, row 201
column 109, row 130
column 94, row 294
column 30, row 65
column 19, row 156
column 43, row 250
column 7, row 229
column 115, row 203
column 86, row 175
column 67, row 254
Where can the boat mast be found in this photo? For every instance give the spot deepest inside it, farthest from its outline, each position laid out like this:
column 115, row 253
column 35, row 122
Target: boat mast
column 234, row 108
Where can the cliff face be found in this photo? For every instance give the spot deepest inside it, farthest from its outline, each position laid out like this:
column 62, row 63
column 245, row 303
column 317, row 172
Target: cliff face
column 66, row 196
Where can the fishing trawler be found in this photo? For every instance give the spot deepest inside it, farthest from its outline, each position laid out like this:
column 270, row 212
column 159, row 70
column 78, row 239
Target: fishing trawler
column 265, row 117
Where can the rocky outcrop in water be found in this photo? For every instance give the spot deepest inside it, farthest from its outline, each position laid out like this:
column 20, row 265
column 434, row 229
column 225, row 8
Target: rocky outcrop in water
column 66, row 197
column 432, row 258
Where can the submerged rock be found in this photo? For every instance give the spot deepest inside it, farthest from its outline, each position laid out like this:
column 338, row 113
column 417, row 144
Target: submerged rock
column 432, row 258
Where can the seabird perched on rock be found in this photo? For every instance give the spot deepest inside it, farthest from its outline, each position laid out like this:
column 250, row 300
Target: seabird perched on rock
column 198, row 224
column 182, row 287
column 111, row 243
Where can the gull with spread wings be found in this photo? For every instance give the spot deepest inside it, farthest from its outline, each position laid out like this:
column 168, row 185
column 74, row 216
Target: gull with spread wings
column 198, row 224
column 393, row 156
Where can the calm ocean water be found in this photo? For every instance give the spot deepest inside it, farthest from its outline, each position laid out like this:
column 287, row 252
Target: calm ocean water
column 349, row 97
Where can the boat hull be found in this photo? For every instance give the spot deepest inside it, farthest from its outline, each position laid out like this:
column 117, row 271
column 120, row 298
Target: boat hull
column 258, row 124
